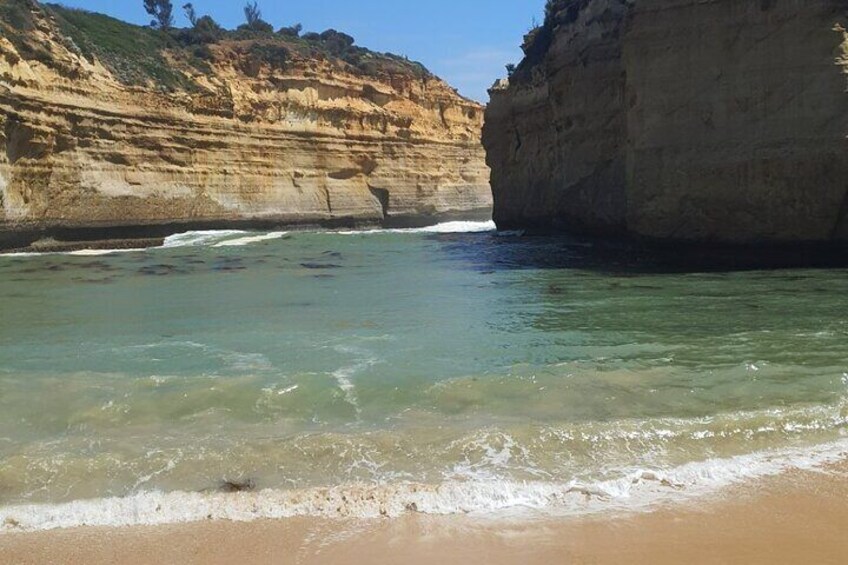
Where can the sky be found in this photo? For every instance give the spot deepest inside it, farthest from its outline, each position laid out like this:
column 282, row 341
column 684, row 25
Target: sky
column 466, row 42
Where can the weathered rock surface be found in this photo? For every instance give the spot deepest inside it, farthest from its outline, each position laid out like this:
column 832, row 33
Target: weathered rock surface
column 304, row 140
column 678, row 120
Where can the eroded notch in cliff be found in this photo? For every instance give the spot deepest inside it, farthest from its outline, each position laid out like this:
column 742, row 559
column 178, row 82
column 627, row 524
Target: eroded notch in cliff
column 23, row 141
column 383, row 197
column 343, row 174
column 364, row 166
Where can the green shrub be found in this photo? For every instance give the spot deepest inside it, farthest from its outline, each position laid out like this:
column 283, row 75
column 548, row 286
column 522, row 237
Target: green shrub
column 205, row 30
column 261, row 54
column 204, row 53
column 132, row 53
column 293, row 31
column 17, row 14
column 254, row 21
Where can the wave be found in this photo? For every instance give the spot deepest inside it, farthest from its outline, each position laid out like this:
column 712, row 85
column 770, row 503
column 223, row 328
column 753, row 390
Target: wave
column 99, row 252
column 77, row 253
column 343, row 376
column 446, row 227
column 186, row 239
column 240, row 238
column 458, row 227
column 242, row 241
column 637, row 489
column 22, row 254
column 199, row 238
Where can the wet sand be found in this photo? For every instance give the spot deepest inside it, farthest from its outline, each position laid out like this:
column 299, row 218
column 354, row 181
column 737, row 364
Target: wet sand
column 797, row 518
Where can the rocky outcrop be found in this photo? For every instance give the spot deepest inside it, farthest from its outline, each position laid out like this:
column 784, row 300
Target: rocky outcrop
column 678, row 120
column 261, row 129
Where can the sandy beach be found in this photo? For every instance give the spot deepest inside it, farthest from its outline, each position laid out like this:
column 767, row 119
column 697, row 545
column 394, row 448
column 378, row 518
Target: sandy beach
column 796, row 518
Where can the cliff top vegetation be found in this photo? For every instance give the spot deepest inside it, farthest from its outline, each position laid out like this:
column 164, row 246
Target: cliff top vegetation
column 167, row 57
column 538, row 39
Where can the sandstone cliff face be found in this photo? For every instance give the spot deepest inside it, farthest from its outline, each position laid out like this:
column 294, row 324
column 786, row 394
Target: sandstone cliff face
column 699, row 120
column 304, row 139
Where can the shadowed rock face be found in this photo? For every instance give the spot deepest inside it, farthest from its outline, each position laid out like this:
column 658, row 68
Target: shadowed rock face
column 269, row 130
column 708, row 121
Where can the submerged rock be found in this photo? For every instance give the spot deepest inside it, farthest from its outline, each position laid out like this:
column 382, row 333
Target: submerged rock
column 686, row 120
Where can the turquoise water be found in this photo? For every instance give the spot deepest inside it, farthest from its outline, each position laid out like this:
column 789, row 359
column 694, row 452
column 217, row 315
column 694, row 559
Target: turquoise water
column 404, row 362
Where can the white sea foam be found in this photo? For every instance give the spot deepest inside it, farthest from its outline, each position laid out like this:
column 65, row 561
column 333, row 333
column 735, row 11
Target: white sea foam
column 23, row 254
column 77, row 253
column 487, row 454
column 242, row 241
column 186, row 239
column 637, row 489
column 99, row 252
column 230, row 238
column 199, row 238
column 459, row 227
column 446, row 227
column 343, row 375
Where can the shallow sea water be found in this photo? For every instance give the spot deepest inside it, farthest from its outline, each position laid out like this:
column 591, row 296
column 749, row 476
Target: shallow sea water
column 450, row 369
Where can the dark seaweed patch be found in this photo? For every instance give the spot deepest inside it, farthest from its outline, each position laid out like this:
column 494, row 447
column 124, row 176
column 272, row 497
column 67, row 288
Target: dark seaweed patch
column 87, row 280
column 97, row 265
column 229, row 264
column 320, row 266
column 159, row 270
column 247, row 485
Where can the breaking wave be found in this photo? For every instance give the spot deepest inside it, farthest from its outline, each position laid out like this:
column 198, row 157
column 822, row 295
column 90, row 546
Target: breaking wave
column 240, row 238
column 446, row 227
column 200, row 238
column 638, row 489
column 242, row 241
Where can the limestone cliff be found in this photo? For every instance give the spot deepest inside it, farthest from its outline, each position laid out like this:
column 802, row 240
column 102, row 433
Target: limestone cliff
column 681, row 120
column 107, row 124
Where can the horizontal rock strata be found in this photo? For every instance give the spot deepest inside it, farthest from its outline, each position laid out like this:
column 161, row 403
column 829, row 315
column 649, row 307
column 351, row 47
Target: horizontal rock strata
column 678, row 120
column 246, row 140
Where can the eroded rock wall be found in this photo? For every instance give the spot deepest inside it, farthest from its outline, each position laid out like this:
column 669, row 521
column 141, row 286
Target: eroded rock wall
column 708, row 120
column 557, row 141
column 307, row 143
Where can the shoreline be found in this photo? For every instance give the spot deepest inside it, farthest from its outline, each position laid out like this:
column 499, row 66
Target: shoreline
column 24, row 238
column 630, row 253
column 630, row 492
column 796, row 517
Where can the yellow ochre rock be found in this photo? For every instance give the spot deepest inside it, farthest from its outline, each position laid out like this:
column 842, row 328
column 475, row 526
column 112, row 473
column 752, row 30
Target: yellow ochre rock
column 145, row 131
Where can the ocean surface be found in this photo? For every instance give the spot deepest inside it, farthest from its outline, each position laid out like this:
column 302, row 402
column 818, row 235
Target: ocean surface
column 443, row 370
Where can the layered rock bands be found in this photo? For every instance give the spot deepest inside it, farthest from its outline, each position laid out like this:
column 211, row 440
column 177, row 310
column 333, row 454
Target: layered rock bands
column 678, row 120
column 305, row 140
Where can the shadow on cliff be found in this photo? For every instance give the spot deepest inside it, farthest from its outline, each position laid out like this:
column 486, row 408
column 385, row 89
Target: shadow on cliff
column 505, row 251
